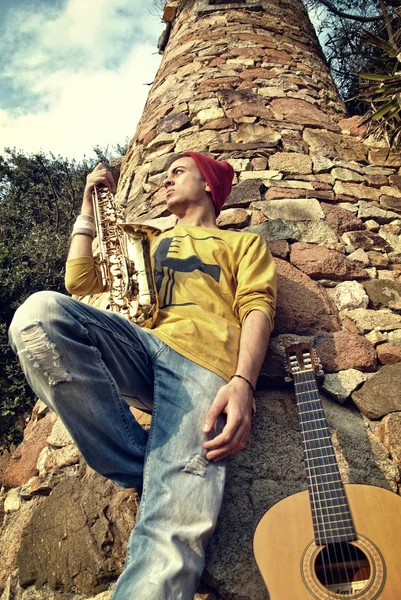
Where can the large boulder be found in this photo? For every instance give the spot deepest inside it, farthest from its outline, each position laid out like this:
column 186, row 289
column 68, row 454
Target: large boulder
column 380, row 395
column 302, row 306
column 76, row 538
column 23, row 463
column 319, row 262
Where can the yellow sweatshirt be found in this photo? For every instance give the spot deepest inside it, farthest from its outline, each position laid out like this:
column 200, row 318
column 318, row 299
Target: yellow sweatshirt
column 208, row 281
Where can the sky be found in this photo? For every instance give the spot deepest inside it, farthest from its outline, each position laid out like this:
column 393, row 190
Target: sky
column 74, row 73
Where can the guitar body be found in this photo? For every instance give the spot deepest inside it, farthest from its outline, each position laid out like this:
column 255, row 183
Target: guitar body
column 286, row 553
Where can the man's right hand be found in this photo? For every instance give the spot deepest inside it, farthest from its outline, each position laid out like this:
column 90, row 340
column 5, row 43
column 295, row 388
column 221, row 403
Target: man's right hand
column 99, row 176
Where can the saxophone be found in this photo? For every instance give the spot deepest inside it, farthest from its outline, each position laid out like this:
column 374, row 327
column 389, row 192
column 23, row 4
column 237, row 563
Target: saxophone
column 125, row 261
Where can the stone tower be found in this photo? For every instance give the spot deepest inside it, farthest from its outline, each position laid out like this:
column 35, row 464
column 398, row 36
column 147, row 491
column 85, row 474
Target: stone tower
column 245, row 81
column 240, row 80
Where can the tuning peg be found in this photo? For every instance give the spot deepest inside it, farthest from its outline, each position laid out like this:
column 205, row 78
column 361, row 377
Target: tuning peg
column 288, row 379
column 320, row 373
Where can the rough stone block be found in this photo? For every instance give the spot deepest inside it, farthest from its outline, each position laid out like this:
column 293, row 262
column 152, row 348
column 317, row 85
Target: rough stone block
column 322, row 164
column 291, row 210
column 350, row 294
column 320, row 262
column 368, row 211
column 333, row 145
column 248, row 133
column 291, row 162
column 389, row 354
column 262, row 175
column 244, row 193
column 380, row 395
column 390, row 202
column 353, row 126
column 233, row 217
column 367, row 319
column 77, row 536
column 377, row 259
column 341, row 385
column 384, row 158
column 382, row 292
column 59, row 437
column 357, row 190
column 301, row 112
column 343, row 350
column 389, row 431
column 22, row 465
column 173, row 122
column 311, row 312
column 365, row 240
column 346, row 175
column 208, row 114
column 340, row 219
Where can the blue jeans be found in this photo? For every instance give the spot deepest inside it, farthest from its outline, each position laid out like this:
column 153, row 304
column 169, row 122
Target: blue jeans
column 87, row 365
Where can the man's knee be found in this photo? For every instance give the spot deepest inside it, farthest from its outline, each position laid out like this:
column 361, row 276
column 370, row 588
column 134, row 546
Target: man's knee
column 37, row 308
column 28, row 332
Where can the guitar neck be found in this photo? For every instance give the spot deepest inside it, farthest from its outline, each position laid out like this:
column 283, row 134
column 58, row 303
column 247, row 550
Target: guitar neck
column 332, row 520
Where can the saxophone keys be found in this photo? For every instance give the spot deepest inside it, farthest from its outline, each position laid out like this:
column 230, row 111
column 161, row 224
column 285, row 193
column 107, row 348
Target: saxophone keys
column 118, row 301
column 115, row 270
column 114, row 259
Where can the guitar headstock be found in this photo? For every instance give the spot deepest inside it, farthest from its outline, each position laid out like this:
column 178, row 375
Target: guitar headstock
column 300, row 358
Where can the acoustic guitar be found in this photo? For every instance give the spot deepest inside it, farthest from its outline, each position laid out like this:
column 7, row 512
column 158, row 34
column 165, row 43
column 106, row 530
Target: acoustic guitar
column 333, row 541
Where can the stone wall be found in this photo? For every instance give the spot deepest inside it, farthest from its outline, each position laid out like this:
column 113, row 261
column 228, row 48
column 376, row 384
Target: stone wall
column 252, row 87
column 248, row 85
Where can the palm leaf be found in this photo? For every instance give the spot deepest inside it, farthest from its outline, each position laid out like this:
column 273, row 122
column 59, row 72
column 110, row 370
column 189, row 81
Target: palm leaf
column 383, row 111
column 375, row 76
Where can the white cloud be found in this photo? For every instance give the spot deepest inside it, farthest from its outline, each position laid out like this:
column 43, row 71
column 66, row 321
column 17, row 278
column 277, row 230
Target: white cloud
column 64, row 60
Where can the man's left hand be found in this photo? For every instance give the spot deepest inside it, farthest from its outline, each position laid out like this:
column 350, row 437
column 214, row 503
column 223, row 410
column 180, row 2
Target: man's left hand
column 235, row 400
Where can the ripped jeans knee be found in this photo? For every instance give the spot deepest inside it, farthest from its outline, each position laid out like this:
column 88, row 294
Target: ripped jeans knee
column 28, row 335
column 43, row 353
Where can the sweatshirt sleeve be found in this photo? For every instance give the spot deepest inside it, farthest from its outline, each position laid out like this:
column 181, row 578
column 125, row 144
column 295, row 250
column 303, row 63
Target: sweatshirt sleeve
column 83, row 277
column 256, row 282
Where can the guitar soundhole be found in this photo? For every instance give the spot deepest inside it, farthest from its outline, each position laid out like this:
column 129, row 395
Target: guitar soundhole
column 342, row 568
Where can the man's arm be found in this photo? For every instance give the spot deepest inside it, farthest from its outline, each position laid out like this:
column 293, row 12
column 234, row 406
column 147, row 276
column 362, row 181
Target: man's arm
column 235, row 398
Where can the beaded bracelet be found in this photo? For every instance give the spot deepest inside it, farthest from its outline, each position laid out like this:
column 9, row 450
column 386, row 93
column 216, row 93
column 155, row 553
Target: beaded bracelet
column 245, row 379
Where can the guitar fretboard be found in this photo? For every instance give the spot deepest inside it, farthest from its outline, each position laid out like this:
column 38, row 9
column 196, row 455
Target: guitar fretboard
column 331, row 515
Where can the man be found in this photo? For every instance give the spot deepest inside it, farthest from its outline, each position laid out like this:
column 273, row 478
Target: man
column 195, row 371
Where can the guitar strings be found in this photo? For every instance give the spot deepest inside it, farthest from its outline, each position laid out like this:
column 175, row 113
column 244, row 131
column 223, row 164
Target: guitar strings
column 325, row 456
column 315, row 498
column 313, row 479
column 340, row 493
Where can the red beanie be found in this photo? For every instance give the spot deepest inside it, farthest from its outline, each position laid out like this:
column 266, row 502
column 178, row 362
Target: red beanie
column 217, row 174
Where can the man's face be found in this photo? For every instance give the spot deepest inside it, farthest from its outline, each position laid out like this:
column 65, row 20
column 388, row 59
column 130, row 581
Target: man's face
column 185, row 186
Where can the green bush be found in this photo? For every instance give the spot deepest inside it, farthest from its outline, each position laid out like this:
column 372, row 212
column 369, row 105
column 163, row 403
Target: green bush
column 40, row 197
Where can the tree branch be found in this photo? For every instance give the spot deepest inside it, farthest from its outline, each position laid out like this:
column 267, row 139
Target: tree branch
column 55, row 196
column 340, row 13
column 388, row 23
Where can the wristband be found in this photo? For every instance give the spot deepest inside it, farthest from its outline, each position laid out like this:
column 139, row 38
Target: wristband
column 245, row 379
column 84, row 225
